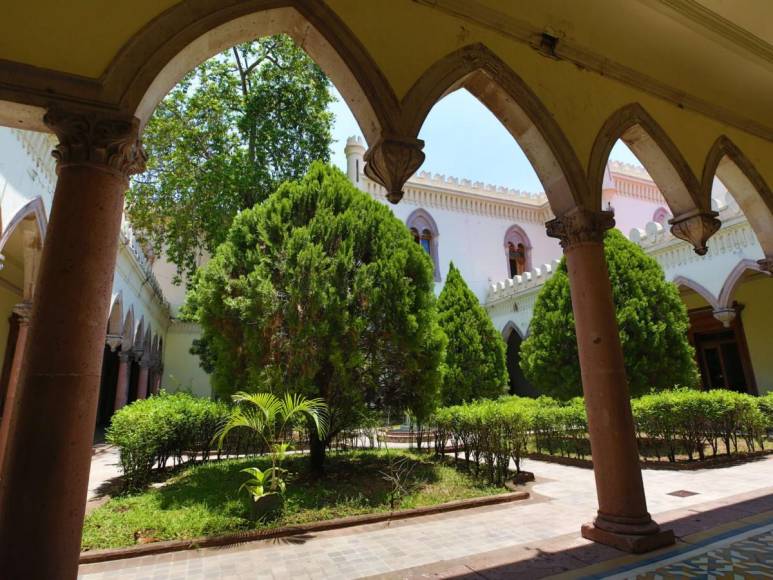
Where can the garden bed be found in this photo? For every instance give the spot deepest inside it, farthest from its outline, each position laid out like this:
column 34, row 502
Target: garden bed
column 203, row 500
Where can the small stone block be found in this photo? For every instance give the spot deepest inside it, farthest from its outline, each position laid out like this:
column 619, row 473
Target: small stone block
column 629, row 542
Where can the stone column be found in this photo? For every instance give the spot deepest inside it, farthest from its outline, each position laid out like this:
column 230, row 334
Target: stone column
column 122, row 383
column 622, row 520
column 46, row 468
column 158, row 372
column 23, row 311
column 142, row 378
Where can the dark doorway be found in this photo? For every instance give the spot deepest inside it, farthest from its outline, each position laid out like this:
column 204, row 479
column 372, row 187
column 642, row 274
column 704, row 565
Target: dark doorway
column 107, row 388
column 721, row 352
column 518, row 383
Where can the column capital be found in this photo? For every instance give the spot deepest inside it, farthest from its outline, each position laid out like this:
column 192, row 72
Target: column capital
column 124, row 356
column 107, row 142
column 580, row 225
column 114, row 341
column 391, row 161
column 695, row 228
column 766, row 264
column 24, row 311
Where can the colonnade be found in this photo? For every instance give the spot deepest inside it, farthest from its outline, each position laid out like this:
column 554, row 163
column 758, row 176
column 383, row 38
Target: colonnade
column 57, row 394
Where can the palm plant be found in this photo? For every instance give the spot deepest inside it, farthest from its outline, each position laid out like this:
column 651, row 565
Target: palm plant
column 270, row 417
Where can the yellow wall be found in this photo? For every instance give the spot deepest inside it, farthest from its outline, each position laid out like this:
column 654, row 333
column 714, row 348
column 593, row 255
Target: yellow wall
column 756, row 295
column 692, row 299
column 181, row 369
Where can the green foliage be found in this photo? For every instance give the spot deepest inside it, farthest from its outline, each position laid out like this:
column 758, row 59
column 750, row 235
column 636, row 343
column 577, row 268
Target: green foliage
column 651, row 317
column 149, row 432
column 321, row 291
column 685, row 421
column 202, row 500
column 264, row 481
column 271, row 419
column 475, row 356
column 668, row 424
column 223, row 139
column 490, row 433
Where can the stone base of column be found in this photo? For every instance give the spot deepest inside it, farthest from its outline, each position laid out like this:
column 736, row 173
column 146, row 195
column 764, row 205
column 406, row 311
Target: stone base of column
column 634, row 543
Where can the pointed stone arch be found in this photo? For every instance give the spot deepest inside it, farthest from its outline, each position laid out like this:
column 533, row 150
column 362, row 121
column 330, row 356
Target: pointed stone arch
column 693, row 220
column 180, row 38
column 477, row 69
column 510, row 328
column 699, row 289
column 35, row 209
column 733, row 280
column 754, row 196
column 128, row 330
column 139, row 335
column 115, row 320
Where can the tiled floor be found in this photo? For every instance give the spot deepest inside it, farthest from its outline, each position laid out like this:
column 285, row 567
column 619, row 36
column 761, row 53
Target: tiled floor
column 465, row 543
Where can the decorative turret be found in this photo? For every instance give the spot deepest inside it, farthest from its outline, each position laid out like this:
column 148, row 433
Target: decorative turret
column 608, row 189
column 355, row 164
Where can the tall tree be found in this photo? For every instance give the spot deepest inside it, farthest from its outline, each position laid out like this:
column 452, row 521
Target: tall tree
column 321, row 291
column 475, row 356
column 223, row 139
column 651, row 317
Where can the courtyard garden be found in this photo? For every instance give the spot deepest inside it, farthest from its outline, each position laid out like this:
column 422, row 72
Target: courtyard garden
column 204, row 499
column 320, row 329
column 181, row 483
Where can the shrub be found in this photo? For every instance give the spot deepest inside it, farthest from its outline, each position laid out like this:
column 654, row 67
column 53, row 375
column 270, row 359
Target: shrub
column 149, row 432
column 668, row 424
column 490, row 433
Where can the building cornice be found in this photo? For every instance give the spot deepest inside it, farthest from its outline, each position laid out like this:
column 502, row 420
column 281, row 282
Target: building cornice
column 489, row 202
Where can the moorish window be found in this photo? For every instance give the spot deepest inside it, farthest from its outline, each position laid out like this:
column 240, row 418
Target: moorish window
column 517, row 251
column 425, row 233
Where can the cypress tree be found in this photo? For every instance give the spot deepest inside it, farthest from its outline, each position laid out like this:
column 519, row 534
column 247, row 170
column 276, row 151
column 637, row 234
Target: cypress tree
column 475, row 355
column 651, row 317
column 321, row 291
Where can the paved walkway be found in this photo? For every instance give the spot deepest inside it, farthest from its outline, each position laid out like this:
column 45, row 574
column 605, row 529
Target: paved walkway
column 562, row 498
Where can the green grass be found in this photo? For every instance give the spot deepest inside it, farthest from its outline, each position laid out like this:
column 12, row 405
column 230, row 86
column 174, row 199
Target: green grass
column 204, row 499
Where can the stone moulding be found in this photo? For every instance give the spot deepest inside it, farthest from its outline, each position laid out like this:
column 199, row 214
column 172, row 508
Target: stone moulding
column 95, row 556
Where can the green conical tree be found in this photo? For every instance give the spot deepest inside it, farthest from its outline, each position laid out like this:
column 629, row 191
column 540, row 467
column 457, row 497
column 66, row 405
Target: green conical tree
column 651, row 317
column 475, row 356
column 321, row 291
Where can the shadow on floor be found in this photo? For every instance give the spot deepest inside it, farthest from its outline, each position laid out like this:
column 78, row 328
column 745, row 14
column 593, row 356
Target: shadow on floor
column 553, row 557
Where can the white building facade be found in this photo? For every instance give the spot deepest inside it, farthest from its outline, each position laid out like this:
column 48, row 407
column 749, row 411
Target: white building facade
column 494, row 235
column 139, row 313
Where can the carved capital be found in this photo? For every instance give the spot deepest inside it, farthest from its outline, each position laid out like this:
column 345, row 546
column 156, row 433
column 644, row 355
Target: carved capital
column 695, row 228
column 725, row 316
column 392, row 161
column 114, row 341
column 24, row 311
column 124, row 356
column 766, row 264
column 580, row 225
column 88, row 138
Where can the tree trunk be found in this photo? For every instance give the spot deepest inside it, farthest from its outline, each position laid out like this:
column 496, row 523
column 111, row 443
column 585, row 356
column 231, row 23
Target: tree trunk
column 317, row 449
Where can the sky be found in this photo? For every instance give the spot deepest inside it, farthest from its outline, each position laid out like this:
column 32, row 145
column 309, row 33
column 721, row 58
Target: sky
column 462, row 139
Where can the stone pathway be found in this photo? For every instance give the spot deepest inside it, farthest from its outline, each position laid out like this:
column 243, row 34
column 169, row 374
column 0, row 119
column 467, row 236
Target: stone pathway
column 563, row 498
column 104, row 468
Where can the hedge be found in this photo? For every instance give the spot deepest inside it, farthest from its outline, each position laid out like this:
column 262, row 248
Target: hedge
column 179, row 426
column 668, row 424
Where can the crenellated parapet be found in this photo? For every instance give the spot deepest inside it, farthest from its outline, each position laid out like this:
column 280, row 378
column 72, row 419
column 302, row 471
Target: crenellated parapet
column 505, row 289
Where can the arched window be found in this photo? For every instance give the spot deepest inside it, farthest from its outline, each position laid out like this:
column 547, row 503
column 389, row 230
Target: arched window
column 425, row 232
column 518, row 251
column 661, row 216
